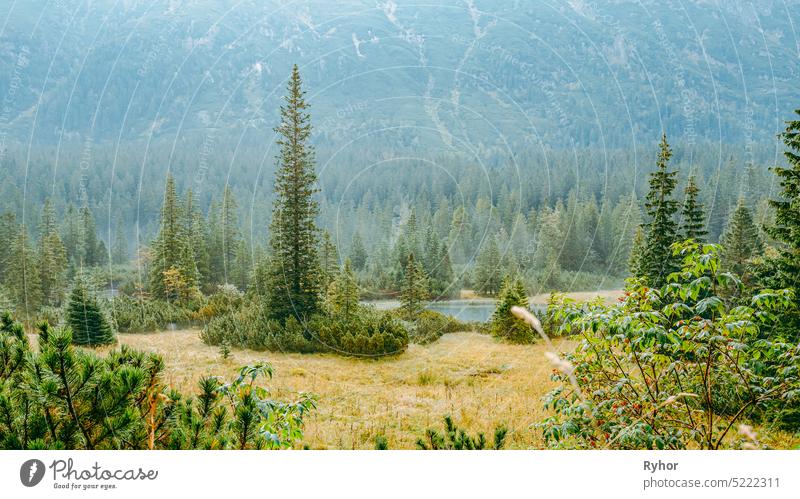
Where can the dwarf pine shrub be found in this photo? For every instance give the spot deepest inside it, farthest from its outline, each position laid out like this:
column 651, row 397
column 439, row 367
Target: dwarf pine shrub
column 62, row 397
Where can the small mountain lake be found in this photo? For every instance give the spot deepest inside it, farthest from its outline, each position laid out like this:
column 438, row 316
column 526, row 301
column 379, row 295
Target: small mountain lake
column 463, row 310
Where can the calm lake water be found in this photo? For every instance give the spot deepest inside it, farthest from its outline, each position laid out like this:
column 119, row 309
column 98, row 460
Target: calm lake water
column 463, row 310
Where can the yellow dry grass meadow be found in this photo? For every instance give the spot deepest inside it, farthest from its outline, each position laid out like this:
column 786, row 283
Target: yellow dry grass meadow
column 477, row 379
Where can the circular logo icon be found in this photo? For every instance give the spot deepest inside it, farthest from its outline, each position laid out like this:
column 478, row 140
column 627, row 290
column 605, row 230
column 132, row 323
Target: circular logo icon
column 31, row 472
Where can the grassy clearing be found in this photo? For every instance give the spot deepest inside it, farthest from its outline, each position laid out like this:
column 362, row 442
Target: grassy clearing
column 481, row 382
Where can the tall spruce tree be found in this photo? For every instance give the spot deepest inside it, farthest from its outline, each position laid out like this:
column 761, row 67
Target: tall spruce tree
column 657, row 259
column 786, row 228
column 740, row 241
column 216, row 265
column 487, row 269
column 198, row 240
column 230, row 233
column 52, row 258
column 548, row 247
column 119, row 249
column 94, row 249
column 414, row 292
column 23, row 282
column 693, row 216
column 173, row 260
column 72, row 236
column 441, row 273
column 294, row 281
column 88, row 322
column 242, row 265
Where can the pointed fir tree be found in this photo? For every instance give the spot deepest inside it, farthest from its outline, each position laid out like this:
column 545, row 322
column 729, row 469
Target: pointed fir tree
column 637, row 253
column 430, row 257
column 358, row 254
column 487, row 269
column 88, row 322
column 411, row 234
column 657, row 260
column 230, row 232
column 214, row 245
column 692, row 215
column 505, row 325
column 173, row 261
column 548, row 246
column 442, row 278
column 23, row 282
column 294, row 280
column 242, row 265
column 52, row 258
column 740, row 241
column 456, row 238
column 786, row 228
column 414, row 292
column 119, row 250
column 94, row 249
column 198, row 240
column 72, row 236
column 343, row 293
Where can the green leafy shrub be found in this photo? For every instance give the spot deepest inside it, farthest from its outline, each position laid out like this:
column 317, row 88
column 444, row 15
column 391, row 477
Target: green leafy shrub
column 562, row 309
column 648, row 368
column 455, row 438
column 66, row 398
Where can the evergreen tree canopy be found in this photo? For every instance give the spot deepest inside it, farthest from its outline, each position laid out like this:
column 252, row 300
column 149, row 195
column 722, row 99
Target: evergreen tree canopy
column 23, row 278
column 173, row 256
column 414, row 293
column 52, row 261
column 637, row 253
column 505, row 325
column 787, row 208
column 692, row 214
column 230, row 233
column 487, row 269
column 657, row 261
column 119, row 249
column 343, row 293
column 358, row 253
column 294, row 280
column 85, row 317
column 94, row 249
column 786, row 228
column 740, row 241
